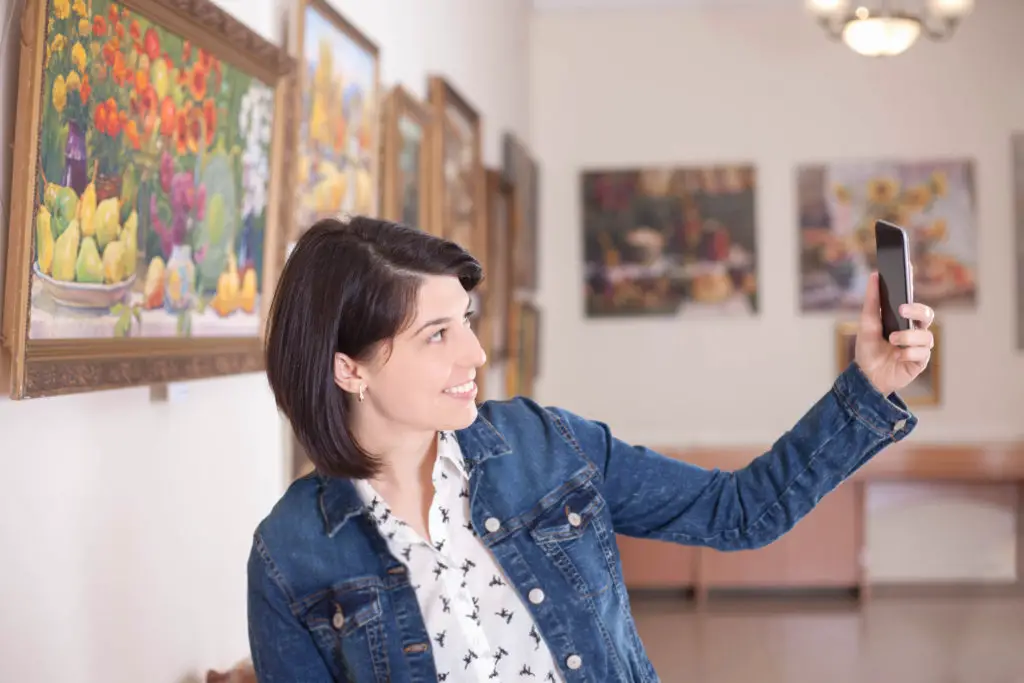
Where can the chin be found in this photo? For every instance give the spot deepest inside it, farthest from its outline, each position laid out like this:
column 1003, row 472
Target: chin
column 459, row 419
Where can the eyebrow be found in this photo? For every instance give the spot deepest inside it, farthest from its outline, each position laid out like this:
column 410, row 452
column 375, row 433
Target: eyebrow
column 442, row 321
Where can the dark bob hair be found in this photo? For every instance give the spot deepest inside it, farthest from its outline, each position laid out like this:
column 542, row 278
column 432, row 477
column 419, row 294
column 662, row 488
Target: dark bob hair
column 346, row 287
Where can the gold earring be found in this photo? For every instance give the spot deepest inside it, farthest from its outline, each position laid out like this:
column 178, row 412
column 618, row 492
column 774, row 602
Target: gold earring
column 362, row 389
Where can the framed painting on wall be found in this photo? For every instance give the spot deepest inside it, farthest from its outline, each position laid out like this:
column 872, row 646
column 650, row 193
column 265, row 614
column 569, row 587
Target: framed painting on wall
column 457, row 175
column 501, row 210
column 150, row 144
column 925, row 390
column 839, row 204
column 335, row 118
column 670, row 241
column 523, row 173
column 406, row 161
column 524, row 352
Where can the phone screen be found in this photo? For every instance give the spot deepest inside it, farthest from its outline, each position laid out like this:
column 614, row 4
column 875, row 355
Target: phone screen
column 893, row 276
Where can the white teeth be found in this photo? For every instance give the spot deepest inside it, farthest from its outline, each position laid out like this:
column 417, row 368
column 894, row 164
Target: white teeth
column 461, row 389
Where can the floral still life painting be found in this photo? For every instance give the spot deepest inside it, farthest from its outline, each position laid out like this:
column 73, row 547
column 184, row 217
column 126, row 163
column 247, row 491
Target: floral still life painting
column 141, row 218
column 839, row 204
column 153, row 182
column 670, row 241
column 338, row 127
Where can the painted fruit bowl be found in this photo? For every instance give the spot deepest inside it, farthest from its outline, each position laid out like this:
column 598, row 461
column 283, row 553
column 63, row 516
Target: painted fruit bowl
column 84, row 294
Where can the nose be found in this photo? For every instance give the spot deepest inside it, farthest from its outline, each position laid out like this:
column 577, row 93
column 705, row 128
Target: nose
column 473, row 352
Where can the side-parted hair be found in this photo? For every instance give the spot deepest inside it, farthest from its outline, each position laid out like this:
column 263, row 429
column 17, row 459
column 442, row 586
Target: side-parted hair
column 346, row 288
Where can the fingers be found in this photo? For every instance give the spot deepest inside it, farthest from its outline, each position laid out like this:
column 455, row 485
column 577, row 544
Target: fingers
column 870, row 314
column 915, row 354
column 913, row 338
column 920, row 313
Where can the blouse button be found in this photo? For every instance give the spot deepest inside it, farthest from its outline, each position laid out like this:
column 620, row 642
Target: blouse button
column 338, row 620
column 575, row 519
column 492, row 524
column 574, row 662
column 536, row 596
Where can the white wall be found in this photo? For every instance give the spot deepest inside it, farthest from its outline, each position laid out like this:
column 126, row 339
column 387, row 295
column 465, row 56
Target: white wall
column 125, row 525
column 688, row 86
column 691, row 86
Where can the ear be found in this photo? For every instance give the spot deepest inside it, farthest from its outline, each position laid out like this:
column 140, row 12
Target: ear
column 347, row 374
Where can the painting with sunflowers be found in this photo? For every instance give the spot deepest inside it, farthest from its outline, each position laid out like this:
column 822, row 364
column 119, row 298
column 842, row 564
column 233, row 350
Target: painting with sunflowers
column 839, row 204
column 336, row 118
column 149, row 202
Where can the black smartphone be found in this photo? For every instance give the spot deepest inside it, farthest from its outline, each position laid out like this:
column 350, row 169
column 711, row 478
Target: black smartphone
column 895, row 282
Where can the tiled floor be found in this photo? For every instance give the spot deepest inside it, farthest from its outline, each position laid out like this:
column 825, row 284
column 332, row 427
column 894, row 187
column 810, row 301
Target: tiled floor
column 890, row 640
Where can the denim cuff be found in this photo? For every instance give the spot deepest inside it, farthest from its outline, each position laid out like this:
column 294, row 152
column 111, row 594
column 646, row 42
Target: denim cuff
column 887, row 416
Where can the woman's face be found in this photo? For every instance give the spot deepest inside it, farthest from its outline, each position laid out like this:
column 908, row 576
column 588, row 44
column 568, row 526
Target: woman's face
column 426, row 379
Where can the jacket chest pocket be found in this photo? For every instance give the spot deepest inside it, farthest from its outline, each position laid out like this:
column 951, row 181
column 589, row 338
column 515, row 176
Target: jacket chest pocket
column 348, row 627
column 573, row 534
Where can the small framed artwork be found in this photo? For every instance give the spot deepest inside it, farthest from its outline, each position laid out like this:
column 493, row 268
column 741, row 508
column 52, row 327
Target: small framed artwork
column 457, row 174
column 524, row 359
column 501, row 211
column 522, row 171
column 335, row 118
column 150, row 152
column 926, row 390
column 406, row 163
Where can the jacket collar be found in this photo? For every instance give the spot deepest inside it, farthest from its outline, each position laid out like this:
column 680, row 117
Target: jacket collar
column 339, row 501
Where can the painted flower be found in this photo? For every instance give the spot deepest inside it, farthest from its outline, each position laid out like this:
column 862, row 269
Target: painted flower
column 78, row 57
column 62, row 8
column 151, row 43
column 72, row 83
column 59, row 42
column 210, row 114
column 99, row 25
column 254, row 123
column 80, row 9
column 60, row 93
column 197, row 82
column 84, row 27
column 85, row 89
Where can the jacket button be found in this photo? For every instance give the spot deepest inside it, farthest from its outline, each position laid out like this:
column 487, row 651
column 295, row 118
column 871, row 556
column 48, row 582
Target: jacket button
column 575, row 519
column 536, row 596
column 574, row 662
column 492, row 524
column 338, row 620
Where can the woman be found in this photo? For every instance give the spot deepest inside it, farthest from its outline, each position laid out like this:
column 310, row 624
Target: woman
column 444, row 541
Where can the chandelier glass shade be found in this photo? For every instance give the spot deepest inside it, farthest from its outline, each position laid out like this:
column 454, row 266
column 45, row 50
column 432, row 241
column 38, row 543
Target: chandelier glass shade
column 884, row 30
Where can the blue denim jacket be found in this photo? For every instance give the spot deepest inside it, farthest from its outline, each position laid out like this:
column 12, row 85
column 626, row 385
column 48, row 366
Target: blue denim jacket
column 328, row 602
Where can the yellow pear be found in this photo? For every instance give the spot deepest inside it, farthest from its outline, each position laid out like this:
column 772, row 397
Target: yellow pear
column 64, row 253
column 105, row 221
column 44, row 240
column 113, row 262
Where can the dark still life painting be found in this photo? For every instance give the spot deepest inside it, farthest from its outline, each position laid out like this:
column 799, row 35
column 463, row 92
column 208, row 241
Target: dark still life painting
column 670, row 241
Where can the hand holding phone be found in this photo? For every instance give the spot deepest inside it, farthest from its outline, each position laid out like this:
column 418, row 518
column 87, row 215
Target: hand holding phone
column 895, row 282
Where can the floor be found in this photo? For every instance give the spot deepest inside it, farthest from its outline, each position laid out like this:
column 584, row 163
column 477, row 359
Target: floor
column 889, row 640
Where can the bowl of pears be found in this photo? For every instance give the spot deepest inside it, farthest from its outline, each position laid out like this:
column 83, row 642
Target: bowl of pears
column 86, row 257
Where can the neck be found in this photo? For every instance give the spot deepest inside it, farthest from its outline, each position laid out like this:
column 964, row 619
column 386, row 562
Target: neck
column 403, row 453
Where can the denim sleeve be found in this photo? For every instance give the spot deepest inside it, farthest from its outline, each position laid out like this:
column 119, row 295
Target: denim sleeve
column 282, row 649
column 653, row 496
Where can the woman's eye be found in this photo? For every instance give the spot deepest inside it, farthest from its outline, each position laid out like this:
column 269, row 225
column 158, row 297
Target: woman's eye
column 437, row 336
column 469, row 316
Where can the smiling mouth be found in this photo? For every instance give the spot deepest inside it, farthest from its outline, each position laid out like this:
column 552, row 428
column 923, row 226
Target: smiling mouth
column 462, row 389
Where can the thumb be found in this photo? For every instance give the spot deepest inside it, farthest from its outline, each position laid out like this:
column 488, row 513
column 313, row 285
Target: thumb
column 871, row 312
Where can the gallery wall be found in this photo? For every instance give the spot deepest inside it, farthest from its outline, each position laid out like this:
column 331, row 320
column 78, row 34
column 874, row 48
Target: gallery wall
column 690, row 87
column 127, row 523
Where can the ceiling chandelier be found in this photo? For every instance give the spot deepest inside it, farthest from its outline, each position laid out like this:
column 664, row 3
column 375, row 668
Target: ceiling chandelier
column 883, row 31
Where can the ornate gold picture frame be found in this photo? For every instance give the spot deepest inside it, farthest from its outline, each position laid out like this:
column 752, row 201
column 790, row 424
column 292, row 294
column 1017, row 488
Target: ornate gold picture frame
column 406, row 163
column 149, row 140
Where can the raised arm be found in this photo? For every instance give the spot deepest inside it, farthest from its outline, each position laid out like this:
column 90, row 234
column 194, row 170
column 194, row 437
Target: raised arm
column 653, row 496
